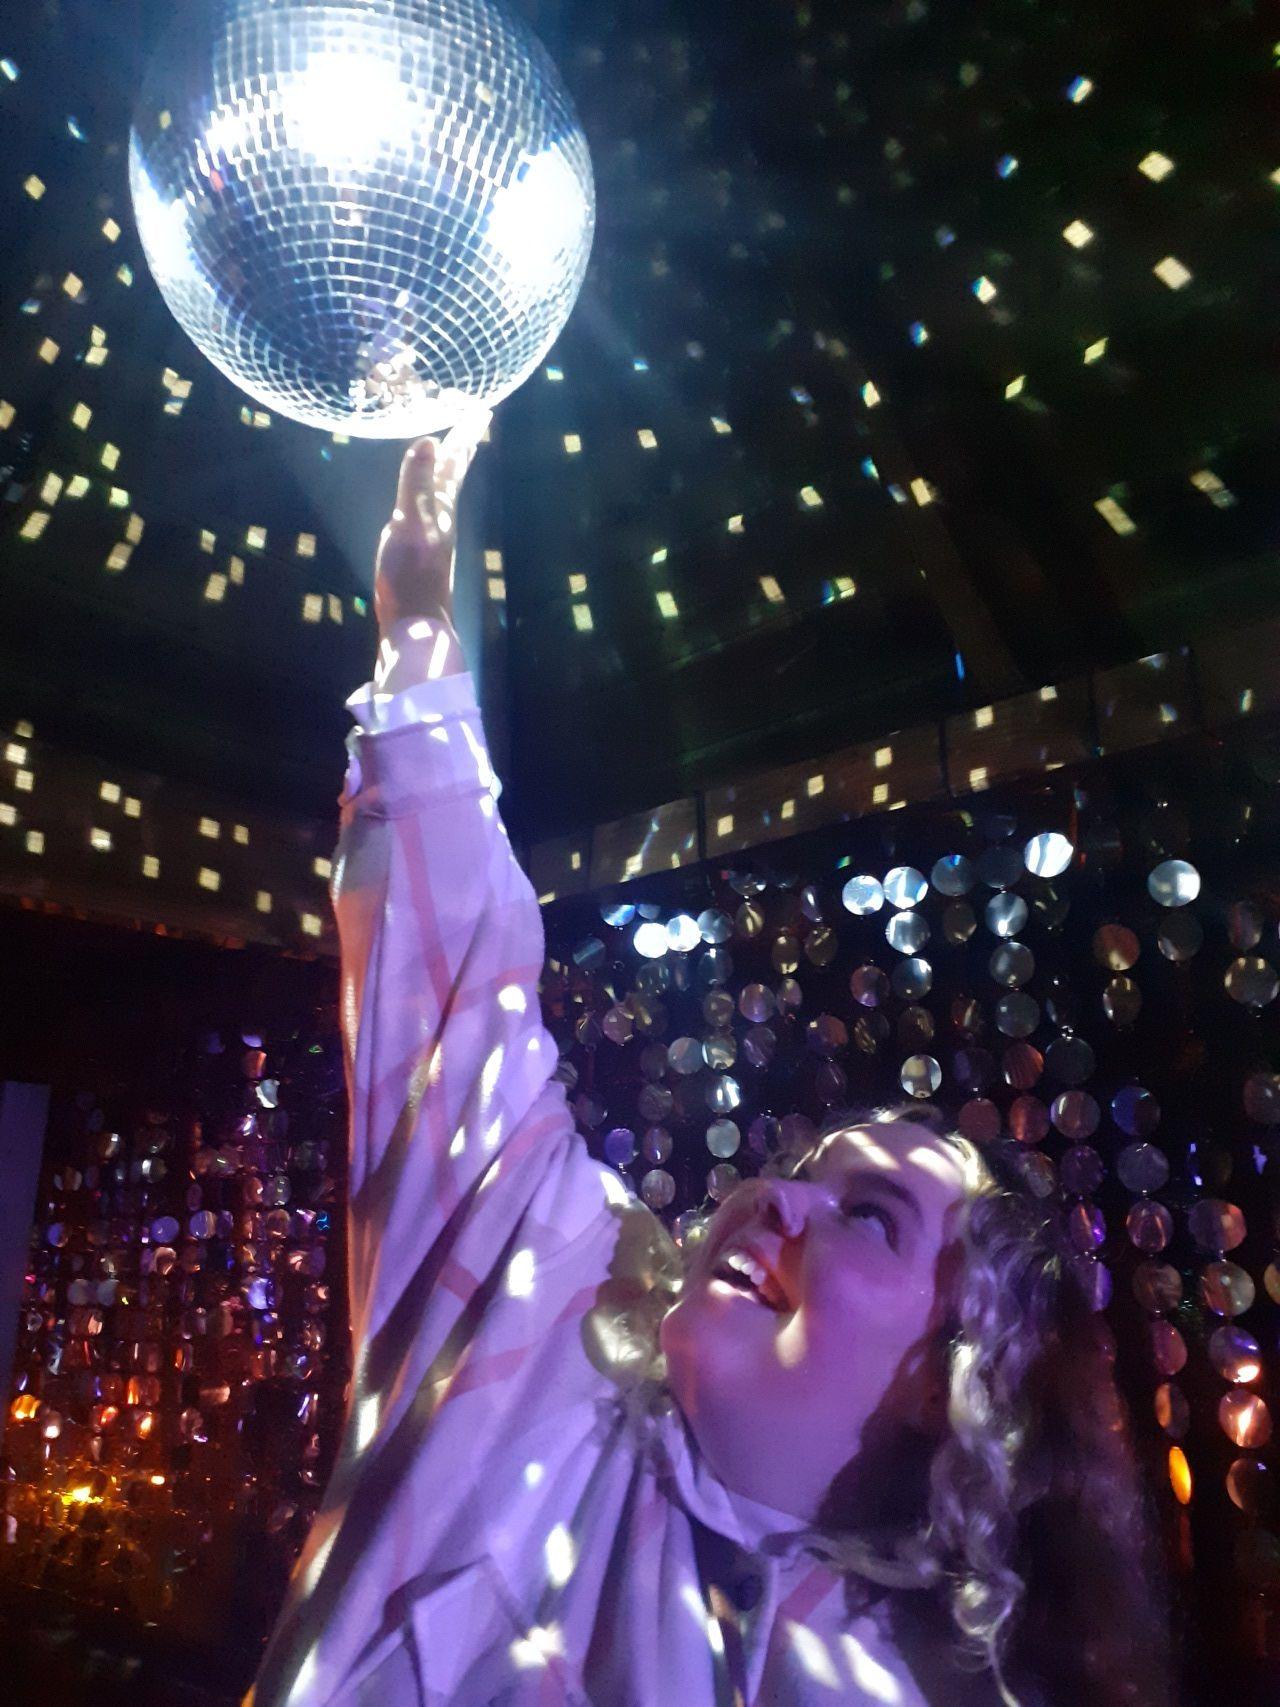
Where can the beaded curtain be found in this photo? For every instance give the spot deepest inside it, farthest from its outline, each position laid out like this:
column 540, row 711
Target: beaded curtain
column 1086, row 965
column 181, row 1356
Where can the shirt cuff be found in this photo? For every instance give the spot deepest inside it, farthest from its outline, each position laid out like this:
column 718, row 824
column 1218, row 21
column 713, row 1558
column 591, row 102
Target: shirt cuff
column 377, row 711
column 448, row 703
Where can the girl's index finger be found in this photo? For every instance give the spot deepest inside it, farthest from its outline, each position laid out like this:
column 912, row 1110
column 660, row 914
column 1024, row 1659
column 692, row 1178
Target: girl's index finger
column 417, row 474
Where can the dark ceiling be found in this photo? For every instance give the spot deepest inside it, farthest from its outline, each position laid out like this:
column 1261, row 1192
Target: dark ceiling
column 950, row 330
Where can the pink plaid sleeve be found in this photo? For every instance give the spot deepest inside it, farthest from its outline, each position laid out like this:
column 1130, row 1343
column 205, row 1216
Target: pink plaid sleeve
column 442, row 948
column 481, row 1231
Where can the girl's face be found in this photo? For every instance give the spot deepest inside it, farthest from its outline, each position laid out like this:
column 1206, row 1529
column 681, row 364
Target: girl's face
column 809, row 1320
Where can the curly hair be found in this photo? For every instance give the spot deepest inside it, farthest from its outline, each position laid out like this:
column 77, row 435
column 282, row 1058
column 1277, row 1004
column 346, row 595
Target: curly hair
column 1029, row 1519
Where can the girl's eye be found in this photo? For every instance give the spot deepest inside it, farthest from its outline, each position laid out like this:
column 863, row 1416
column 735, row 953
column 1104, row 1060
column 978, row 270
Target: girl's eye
column 877, row 1217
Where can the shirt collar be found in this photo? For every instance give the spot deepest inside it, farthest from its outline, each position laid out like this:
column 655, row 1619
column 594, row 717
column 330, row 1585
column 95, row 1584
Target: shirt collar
column 748, row 1523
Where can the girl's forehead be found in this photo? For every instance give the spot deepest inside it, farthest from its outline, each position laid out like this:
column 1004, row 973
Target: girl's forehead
column 898, row 1148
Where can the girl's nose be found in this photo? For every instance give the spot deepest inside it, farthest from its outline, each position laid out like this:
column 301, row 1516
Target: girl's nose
column 783, row 1206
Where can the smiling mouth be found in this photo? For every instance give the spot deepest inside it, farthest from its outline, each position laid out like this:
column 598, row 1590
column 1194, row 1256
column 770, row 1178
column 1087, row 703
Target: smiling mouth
column 739, row 1272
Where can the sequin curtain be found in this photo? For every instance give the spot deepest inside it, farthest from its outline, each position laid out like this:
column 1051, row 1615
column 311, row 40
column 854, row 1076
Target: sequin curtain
column 1088, row 966
column 181, row 1356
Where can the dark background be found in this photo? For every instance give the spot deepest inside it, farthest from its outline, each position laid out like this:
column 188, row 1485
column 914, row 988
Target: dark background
column 785, row 192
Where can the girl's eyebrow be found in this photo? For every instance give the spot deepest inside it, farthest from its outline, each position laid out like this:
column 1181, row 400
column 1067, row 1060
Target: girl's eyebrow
column 867, row 1180
column 892, row 1188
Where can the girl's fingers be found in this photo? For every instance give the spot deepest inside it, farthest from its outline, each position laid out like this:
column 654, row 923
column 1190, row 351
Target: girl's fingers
column 417, row 477
column 459, row 445
column 431, row 472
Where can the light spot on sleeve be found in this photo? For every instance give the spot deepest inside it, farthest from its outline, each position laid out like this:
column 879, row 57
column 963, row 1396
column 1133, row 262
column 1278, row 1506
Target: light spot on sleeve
column 814, row 1656
column 302, row 1684
column 367, row 1420
column 614, row 1191
column 484, row 770
column 520, row 1272
column 869, row 1675
column 318, row 1560
column 439, row 655
column 562, row 1556
column 426, row 1073
column 694, row 1601
column 512, row 998
column 533, row 1474
column 534, row 1650
column 490, row 1074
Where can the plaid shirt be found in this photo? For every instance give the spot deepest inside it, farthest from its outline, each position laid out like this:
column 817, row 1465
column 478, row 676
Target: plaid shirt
column 518, row 1513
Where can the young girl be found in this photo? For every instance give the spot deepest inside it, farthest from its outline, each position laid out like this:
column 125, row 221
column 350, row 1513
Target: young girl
column 867, row 1448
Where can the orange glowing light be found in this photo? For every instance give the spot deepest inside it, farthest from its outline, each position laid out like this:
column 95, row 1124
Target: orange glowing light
column 157, row 1481
column 25, row 1407
column 1180, row 1475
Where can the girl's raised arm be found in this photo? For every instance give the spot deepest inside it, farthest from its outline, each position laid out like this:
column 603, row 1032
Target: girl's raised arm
column 442, row 939
column 500, row 1280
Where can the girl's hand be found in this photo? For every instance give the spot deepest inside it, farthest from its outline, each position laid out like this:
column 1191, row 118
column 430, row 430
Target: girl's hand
column 413, row 575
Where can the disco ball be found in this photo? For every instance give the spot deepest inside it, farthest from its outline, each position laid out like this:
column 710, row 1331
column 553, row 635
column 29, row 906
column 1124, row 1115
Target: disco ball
column 369, row 214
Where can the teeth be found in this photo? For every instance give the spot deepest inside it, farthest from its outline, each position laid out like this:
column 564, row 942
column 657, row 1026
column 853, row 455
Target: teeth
column 743, row 1264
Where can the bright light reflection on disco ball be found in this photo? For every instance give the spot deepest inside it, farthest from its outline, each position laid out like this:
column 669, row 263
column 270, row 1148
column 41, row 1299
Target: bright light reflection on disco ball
column 369, row 214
